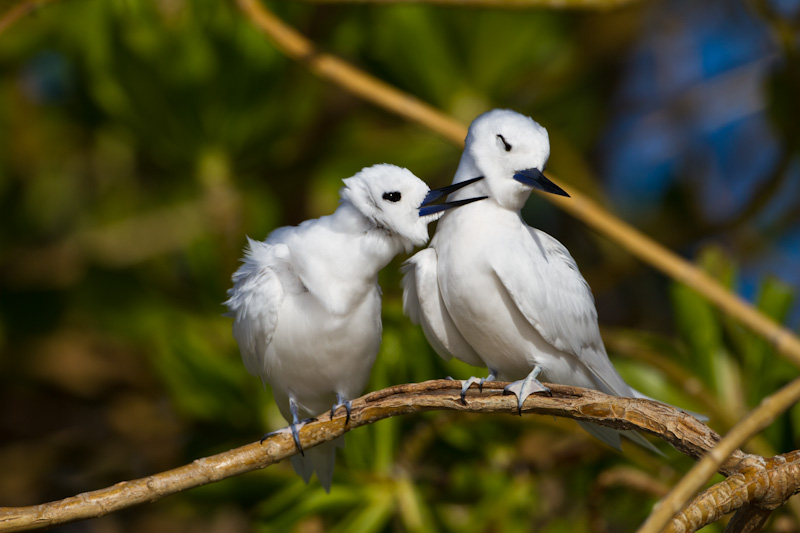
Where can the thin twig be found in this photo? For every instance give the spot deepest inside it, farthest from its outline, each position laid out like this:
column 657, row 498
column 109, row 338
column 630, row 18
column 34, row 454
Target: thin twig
column 681, row 430
column 759, row 418
column 349, row 77
column 503, row 4
column 580, row 206
column 18, row 11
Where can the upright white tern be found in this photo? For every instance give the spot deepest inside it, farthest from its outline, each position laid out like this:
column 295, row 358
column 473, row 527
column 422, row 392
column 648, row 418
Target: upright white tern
column 492, row 291
column 306, row 302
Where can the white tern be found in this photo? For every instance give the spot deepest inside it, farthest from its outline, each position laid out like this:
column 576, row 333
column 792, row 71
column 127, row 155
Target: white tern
column 306, row 302
column 492, row 291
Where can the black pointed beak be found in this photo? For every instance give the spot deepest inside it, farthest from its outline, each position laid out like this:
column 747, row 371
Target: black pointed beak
column 438, row 208
column 533, row 177
column 426, row 209
column 443, row 192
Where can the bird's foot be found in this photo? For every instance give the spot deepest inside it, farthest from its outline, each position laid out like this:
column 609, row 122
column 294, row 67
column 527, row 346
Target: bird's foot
column 340, row 401
column 525, row 387
column 294, row 428
column 491, row 377
column 466, row 384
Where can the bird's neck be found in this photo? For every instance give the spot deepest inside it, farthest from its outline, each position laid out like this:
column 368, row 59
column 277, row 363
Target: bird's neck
column 366, row 246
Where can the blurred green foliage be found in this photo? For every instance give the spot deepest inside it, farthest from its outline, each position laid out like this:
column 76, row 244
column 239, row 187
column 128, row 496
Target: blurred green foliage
column 143, row 140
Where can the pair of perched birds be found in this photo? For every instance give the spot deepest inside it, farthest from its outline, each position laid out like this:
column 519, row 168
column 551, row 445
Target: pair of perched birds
column 489, row 290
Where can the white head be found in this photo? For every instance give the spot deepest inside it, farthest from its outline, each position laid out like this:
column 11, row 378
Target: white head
column 390, row 197
column 510, row 151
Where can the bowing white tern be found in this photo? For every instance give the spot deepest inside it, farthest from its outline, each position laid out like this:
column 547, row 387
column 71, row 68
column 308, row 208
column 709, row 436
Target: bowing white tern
column 306, row 302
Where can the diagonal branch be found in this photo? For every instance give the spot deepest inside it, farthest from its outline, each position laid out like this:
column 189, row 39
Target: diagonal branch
column 373, row 90
column 18, row 11
column 505, row 4
column 349, row 77
column 681, row 430
column 759, row 418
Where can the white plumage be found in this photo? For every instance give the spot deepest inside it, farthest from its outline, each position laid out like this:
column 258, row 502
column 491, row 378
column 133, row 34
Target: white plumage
column 306, row 302
column 492, row 291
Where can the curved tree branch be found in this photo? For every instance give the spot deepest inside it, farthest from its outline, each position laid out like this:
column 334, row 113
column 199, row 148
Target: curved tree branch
column 754, row 480
column 681, row 430
column 770, row 485
column 371, row 89
column 759, row 418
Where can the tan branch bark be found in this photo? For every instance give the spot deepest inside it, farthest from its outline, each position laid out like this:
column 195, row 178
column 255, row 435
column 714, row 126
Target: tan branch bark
column 505, row 4
column 759, row 418
column 373, row 90
column 679, row 429
column 770, row 485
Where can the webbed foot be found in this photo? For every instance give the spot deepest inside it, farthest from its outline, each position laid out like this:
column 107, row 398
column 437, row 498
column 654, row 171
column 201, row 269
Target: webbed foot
column 525, row 387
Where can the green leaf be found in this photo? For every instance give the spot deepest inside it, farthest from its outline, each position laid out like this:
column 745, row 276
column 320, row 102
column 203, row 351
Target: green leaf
column 699, row 327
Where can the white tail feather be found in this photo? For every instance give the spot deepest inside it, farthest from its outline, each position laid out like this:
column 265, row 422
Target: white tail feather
column 320, row 459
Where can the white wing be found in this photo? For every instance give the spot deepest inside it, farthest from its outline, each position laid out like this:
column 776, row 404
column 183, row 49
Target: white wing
column 255, row 301
column 423, row 304
column 545, row 284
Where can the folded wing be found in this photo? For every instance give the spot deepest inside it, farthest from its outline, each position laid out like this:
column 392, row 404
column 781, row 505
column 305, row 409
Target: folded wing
column 423, row 304
column 545, row 284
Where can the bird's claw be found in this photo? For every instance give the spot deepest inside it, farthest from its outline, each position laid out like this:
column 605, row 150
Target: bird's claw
column 525, row 387
column 296, row 437
column 294, row 428
column 491, row 377
column 465, row 385
column 340, row 401
column 480, row 381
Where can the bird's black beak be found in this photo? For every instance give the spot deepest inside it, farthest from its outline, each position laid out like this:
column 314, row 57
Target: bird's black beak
column 426, row 209
column 533, row 177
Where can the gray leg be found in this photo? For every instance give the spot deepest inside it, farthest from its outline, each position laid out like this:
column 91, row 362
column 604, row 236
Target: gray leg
column 340, row 401
column 525, row 387
column 295, row 420
column 293, row 427
column 491, row 377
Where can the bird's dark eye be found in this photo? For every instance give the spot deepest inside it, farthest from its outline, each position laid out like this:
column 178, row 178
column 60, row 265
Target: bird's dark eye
column 393, row 196
column 505, row 144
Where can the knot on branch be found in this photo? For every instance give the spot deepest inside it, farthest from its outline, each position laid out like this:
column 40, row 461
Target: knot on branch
column 761, row 485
